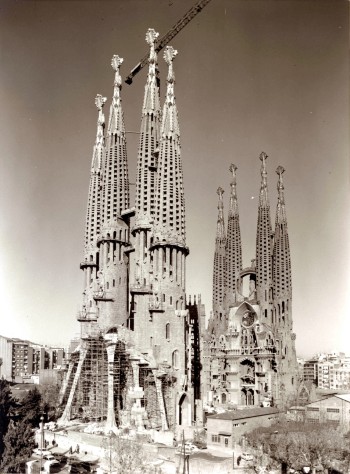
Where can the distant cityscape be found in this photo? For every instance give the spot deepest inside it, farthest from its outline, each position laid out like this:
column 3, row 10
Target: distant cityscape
column 23, row 361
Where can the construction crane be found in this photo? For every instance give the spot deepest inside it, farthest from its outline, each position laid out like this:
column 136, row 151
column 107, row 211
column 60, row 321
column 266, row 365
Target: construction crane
column 169, row 36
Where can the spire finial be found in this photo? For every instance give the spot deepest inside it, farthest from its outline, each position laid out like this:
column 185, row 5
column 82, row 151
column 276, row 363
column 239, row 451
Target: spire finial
column 169, row 55
column 116, row 124
column 281, row 212
column 100, row 102
column 220, row 223
column 151, row 37
column 280, row 170
column 99, row 143
column 170, row 125
column 151, row 103
column 233, row 210
column 116, row 62
column 263, row 189
column 233, row 168
column 220, row 193
column 263, row 156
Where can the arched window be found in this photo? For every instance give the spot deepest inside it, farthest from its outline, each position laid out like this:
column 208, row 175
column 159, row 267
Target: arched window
column 175, row 359
column 167, row 331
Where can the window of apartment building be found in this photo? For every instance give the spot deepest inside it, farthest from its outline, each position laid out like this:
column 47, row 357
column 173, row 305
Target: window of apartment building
column 312, row 409
column 332, row 410
column 215, row 438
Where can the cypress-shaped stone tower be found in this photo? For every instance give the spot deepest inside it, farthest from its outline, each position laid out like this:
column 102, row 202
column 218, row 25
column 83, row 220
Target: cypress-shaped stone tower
column 233, row 243
column 218, row 319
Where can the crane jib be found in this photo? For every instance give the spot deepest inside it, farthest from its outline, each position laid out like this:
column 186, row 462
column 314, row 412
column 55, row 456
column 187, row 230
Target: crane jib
column 169, row 36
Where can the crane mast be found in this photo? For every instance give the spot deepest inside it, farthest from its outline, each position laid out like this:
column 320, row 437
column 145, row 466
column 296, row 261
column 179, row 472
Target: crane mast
column 169, row 36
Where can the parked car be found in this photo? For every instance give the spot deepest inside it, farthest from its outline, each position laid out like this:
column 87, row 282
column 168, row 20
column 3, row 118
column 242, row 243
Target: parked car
column 247, row 457
column 200, row 444
column 49, row 457
column 187, row 448
column 41, row 452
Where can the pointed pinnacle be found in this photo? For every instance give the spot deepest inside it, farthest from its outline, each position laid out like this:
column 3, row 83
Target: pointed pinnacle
column 233, row 209
column 151, row 36
column 100, row 101
column 233, row 168
column 280, row 170
column 280, row 188
column 220, row 192
column 116, row 63
column 263, row 156
column 169, row 55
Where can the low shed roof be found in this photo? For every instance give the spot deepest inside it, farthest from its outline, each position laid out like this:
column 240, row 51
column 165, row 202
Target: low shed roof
column 245, row 413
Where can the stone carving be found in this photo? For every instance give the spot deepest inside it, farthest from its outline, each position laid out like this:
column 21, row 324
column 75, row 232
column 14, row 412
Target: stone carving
column 169, row 55
column 151, row 37
column 100, row 101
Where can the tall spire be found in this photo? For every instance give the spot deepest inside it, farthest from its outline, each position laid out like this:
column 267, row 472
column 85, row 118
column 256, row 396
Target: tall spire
column 170, row 124
column 281, row 217
column 220, row 227
column 281, row 250
column 115, row 179
column 116, row 120
column 219, row 267
column 170, row 225
column 151, row 103
column 263, row 245
column 149, row 142
column 93, row 214
column 263, row 197
column 233, row 241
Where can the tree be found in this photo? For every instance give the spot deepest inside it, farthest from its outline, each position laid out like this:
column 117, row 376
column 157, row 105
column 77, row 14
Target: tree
column 32, row 408
column 19, row 444
column 49, row 400
column 299, row 445
column 125, row 456
column 6, row 405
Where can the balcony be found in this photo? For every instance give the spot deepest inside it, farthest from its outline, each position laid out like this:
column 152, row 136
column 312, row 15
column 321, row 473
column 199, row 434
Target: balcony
column 86, row 264
column 248, row 380
column 156, row 306
column 141, row 289
column 87, row 316
column 102, row 296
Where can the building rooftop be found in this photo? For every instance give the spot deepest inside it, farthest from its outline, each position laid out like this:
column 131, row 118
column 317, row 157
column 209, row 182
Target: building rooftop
column 245, row 413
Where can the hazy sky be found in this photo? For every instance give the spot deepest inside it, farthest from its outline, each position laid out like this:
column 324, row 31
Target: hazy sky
column 250, row 76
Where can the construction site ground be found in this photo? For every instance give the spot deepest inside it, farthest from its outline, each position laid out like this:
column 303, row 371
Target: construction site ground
column 211, row 461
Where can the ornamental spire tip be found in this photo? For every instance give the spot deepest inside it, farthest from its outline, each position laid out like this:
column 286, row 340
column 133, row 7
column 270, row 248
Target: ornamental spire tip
column 151, row 36
column 263, row 156
column 169, row 55
column 220, row 192
column 100, row 101
column 280, row 170
column 116, row 62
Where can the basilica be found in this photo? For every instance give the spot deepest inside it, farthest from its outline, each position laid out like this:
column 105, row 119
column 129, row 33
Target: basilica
column 147, row 359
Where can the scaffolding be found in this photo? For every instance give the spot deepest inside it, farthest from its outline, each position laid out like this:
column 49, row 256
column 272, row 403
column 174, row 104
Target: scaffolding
column 90, row 397
column 150, row 400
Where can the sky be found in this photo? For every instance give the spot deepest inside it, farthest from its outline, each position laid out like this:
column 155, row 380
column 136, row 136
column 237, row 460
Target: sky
column 251, row 76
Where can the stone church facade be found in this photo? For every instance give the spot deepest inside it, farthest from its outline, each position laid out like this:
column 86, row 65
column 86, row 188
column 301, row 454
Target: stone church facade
column 250, row 344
